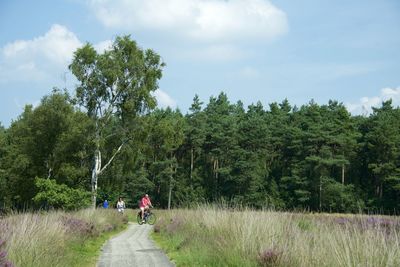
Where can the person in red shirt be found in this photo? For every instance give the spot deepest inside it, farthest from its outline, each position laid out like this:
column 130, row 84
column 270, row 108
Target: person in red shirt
column 145, row 203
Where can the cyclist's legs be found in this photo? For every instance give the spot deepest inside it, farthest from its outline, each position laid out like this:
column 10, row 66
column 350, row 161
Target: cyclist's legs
column 142, row 212
column 146, row 212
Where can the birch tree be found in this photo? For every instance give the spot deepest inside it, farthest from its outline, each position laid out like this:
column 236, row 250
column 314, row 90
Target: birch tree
column 115, row 85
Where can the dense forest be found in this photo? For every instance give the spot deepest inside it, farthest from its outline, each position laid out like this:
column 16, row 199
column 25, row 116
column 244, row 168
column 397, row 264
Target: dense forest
column 109, row 139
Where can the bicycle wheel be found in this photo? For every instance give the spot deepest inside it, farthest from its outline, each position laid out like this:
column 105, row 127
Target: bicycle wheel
column 139, row 219
column 151, row 219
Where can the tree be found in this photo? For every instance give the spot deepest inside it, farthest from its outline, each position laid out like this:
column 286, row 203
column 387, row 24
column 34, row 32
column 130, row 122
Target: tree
column 115, row 85
column 167, row 135
column 339, row 197
column 195, row 134
column 382, row 142
column 3, row 151
column 219, row 141
column 34, row 143
column 249, row 171
column 60, row 196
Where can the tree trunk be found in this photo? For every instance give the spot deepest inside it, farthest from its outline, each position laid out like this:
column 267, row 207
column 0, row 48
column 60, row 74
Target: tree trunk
column 320, row 194
column 171, row 184
column 94, row 187
column 97, row 169
column 154, row 174
column 49, row 169
column 170, row 192
column 215, row 171
column 191, row 165
column 343, row 174
column 95, row 174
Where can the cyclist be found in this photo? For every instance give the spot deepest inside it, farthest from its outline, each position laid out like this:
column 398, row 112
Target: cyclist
column 121, row 205
column 144, row 205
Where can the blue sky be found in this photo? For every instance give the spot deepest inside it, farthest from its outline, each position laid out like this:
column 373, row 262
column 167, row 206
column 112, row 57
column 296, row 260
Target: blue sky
column 254, row 50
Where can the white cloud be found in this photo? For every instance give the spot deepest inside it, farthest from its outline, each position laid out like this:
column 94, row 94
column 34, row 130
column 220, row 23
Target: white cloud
column 206, row 20
column 365, row 104
column 57, row 45
column 20, row 105
column 39, row 58
column 42, row 59
column 103, row 46
column 163, row 99
column 213, row 53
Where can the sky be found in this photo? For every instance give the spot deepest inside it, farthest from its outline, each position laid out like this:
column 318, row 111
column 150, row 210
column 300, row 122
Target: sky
column 253, row 50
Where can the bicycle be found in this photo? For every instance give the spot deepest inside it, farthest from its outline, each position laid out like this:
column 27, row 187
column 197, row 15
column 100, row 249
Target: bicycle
column 148, row 217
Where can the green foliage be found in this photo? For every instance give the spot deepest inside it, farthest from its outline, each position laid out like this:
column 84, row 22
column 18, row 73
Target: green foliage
column 305, row 224
column 115, row 89
column 316, row 157
column 50, row 140
column 340, row 198
column 60, row 196
column 3, row 180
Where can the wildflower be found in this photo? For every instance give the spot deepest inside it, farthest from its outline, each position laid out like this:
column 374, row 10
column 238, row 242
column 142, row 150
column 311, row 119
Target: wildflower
column 4, row 262
column 342, row 220
column 269, row 257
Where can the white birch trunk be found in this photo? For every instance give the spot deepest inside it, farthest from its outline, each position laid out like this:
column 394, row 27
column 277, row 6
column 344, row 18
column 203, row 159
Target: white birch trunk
column 171, row 185
column 95, row 175
column 98, row 170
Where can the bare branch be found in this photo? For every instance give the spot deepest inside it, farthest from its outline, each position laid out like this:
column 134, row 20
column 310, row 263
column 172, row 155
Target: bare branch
column 112, row 158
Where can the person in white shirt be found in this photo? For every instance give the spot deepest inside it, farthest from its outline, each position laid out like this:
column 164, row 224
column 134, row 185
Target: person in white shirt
column 120, row 205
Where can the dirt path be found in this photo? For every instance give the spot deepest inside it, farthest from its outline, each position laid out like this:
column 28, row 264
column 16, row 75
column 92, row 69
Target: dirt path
column 133, row 247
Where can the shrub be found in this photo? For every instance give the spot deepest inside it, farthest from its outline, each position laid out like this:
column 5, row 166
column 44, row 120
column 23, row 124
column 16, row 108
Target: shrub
column 79, row 227
column 60, row 196
column 339, row 197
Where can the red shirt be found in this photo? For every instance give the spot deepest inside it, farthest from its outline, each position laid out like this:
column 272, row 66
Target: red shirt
column 145, row 202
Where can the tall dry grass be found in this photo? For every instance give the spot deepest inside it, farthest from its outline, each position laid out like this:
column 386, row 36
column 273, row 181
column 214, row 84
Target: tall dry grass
column 43, row 239
column 217, row 237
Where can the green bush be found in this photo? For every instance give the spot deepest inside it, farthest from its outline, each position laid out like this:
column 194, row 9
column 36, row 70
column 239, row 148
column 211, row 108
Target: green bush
column 340, row 198
column 60, row 196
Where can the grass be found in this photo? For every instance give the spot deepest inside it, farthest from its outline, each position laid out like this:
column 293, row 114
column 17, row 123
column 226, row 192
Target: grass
column 58, row 238
column 209, row 236
column 87, row 253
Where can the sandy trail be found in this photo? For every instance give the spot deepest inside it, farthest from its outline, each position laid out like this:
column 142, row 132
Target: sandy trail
column 133, row 247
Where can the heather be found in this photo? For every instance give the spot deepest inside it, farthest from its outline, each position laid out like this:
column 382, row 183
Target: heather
column 209, row 236
column 55, row 238
column 3, row 256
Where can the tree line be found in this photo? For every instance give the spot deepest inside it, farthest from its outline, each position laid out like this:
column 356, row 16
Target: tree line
column 109, row 139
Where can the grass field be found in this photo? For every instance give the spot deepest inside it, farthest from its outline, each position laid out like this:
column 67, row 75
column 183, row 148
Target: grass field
column 209, row 236
column 57, row 238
